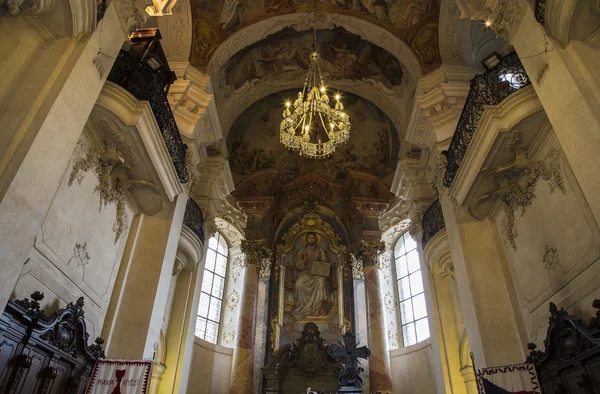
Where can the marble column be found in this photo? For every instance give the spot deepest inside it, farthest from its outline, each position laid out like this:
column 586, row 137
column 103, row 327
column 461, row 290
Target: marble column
column 380, row 372
column 242, row 370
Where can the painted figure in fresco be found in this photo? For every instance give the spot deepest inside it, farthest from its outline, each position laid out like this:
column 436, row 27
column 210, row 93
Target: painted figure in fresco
column 245, row 161
column 377, row 8
column 230, row 12
column 312, row 293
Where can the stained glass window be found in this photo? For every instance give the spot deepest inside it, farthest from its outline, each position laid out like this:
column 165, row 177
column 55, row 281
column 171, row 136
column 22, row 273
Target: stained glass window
column 213, row 285
column 411, row 299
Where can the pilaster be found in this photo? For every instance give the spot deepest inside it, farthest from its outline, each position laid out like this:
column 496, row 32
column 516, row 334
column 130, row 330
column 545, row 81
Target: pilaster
column 134, row 318
column 482, row 274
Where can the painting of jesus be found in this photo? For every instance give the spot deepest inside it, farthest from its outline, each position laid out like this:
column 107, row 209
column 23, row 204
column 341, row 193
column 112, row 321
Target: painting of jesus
column 312, row 291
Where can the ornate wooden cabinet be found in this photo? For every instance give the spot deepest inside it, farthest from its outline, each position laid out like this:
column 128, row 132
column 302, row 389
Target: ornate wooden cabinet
column 570, row 363
column 45, row 354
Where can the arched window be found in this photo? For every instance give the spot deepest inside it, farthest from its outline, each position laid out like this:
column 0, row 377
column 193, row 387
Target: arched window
column 208, row 320
column 413, row 311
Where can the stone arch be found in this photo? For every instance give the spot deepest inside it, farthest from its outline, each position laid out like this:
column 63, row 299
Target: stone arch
column 304, row 21
column 243, row 100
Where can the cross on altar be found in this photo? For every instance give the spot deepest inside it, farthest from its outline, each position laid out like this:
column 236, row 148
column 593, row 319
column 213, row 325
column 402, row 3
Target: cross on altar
column 350, row 352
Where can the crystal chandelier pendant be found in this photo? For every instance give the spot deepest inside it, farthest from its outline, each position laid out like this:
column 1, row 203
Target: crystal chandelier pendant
column 310, row 124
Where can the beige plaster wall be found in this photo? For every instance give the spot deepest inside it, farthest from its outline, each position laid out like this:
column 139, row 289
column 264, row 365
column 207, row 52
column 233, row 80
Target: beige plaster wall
column 412, row 372
column 211, row 368
column 564, row 222
column 54, row 264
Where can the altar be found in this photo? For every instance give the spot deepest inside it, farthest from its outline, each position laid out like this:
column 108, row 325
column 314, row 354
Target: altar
column 311, row 362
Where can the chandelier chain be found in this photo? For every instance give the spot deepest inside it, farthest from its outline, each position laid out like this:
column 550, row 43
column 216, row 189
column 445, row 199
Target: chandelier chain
column 315, row 25
column 310, row 125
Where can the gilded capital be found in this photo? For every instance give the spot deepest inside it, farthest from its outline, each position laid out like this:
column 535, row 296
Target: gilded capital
column 370, row 252
column 257, row 253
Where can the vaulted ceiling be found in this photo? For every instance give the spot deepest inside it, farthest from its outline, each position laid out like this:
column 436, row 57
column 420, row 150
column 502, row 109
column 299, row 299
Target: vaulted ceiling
column 415, row 22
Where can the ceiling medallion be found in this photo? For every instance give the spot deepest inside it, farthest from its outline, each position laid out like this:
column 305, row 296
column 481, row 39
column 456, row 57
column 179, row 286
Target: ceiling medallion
column 310, row 125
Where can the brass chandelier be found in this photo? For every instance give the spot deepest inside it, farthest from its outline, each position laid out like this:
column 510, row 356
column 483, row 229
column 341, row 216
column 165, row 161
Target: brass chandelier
column 310, row 125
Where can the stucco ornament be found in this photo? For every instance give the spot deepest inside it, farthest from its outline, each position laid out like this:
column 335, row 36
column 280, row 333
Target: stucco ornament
column 393, row 338
column 436, row 172
column 389, row 301
column 110, row 160
column 517, row 181
column 232, row 300
column 357, row 267
column 130, row 16
column 551, row 258
column 265, row 267
column 80, row 255
column 236, row 267
column 415, row 229
column 506, row 17
column 226, row 226
column 229, row 333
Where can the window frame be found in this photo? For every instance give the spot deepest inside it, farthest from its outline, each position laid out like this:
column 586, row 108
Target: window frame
column 398, row 299
column 218, row 235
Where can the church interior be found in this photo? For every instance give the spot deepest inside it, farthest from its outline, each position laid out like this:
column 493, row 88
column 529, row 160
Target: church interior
column 250, row 183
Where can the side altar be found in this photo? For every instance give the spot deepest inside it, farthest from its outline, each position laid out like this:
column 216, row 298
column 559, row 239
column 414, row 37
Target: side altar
column 310, row 362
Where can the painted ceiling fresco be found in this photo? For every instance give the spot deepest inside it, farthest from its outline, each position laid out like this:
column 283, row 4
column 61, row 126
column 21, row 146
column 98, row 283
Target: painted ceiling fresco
column 253, row 142
column 343, row 55
column 414, row 21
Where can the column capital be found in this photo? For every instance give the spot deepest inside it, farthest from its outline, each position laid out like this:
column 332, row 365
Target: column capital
column 257, row 253
column 370, row 252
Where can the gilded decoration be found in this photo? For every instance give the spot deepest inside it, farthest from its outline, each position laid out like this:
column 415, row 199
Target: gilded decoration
column 256, row 252
column 311, row 264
